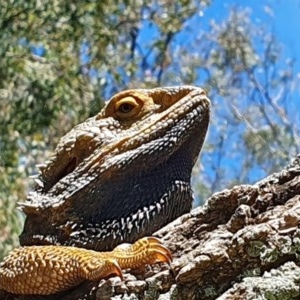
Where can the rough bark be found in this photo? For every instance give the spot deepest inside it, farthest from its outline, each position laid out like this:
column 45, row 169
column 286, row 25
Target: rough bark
column 243, row 244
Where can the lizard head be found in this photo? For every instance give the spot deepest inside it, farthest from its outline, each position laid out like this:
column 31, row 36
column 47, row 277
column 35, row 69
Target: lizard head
column 138, row 148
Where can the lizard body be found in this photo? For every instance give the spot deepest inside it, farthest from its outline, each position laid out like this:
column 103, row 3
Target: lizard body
column 115, row 178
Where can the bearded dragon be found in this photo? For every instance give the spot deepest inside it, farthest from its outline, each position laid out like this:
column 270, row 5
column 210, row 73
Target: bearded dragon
column 117, row 177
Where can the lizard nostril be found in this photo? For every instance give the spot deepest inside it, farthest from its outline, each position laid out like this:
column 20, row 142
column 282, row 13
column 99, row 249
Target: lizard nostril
column 168, row 100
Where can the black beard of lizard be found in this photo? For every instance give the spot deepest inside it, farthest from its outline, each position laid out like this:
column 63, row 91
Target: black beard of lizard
column 115, row 178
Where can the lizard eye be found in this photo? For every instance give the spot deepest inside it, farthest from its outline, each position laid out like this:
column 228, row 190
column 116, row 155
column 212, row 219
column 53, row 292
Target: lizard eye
column 127, row 107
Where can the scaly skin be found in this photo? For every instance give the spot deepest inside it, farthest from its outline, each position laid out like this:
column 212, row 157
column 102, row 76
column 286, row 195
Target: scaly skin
column 44, row 270
column 115, row 178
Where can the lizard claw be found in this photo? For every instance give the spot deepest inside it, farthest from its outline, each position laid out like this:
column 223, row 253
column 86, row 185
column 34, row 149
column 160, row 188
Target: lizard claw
column 157, row 251
column 148, row 250
column 108, row 268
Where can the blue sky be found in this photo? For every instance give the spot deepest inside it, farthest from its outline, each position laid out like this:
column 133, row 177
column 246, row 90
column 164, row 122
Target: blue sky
column 282, row 17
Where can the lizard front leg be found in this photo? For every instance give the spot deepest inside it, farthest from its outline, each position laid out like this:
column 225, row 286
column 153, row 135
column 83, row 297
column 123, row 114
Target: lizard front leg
column 44, row 270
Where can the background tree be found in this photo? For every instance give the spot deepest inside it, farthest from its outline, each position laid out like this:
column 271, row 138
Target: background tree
column 59, row 61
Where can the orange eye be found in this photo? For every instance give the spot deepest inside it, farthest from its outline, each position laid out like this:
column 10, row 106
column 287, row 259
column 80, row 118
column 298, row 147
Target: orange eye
column 127, row 107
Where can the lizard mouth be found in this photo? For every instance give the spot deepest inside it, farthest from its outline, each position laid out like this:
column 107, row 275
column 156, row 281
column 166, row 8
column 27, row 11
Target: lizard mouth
column 164, row 130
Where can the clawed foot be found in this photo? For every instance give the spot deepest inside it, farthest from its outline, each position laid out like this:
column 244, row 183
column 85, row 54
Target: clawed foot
column 44, row 270
column 146, row 251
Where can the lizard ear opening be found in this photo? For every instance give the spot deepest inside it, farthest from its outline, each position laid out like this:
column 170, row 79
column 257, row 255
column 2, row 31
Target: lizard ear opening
column 69, row 168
